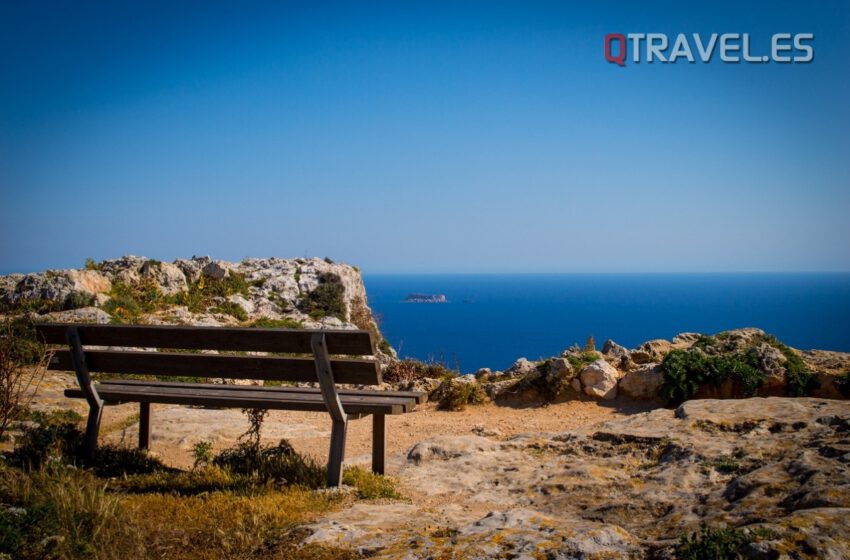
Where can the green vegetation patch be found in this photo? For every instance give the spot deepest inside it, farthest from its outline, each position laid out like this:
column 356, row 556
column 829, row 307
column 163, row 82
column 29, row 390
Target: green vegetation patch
column 327, row 299
column 686, row 370
column 720, row 543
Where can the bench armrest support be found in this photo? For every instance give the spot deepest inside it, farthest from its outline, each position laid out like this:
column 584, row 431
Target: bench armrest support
column 324, row 373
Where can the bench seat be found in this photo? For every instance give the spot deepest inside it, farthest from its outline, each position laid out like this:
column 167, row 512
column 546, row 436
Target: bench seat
column 251, row 396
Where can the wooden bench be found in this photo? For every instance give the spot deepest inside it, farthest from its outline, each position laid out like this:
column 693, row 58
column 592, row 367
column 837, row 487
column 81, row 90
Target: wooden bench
column 120, row 349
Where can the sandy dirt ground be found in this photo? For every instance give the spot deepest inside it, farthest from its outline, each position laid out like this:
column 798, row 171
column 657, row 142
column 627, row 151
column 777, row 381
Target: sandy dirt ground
column 176, row 429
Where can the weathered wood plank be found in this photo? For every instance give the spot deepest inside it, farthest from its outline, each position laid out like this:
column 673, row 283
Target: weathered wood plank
column 145, row 425
column 234, row 339
column 379, row 443
column 337, row 452
column 419, row 396
column 242, row 400
column 269, row 368
column 79, row 363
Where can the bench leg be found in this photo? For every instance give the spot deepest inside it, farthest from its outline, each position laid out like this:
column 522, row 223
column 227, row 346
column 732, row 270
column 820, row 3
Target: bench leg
column 144, row 425
column 92, row 429
column 379, row 443
column 337, row 453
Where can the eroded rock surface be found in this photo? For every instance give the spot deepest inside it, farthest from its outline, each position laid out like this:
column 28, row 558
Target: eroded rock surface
column 627, row 488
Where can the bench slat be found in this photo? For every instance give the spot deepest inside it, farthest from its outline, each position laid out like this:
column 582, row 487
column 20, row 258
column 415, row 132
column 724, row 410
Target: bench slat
column 419, row 396
column 288, row 341
column 246, row 399
column 267, row 368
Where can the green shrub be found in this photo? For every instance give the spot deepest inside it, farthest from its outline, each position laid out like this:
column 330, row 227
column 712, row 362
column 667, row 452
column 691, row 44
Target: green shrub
column 580, row 361
column 704, row 341
column 713, row 544
column 202, row 294
column 799, row 381
column 456, row 395
column 686, row 370
column 370, row 486
column 233, row 309
column 128, row 302
column 47, row 441
column 77, row 300
column 202, row 453
column 327, row 299
column 280, row 464
column 58, row 439
column 91, row 264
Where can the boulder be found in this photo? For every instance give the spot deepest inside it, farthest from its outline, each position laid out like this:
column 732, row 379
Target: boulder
column 618, row 355
column 561, row 368
column 216, row 269
column 599, row 380
column 191, row 268
column 167, row 277
column 521, row 368
column 644, row 382
column 651, row 351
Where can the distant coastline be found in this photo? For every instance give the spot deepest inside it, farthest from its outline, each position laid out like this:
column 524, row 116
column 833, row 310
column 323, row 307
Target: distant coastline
column 426, row 298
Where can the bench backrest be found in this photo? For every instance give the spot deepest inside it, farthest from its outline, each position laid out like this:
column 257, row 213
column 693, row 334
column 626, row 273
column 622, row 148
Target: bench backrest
column 167, row 362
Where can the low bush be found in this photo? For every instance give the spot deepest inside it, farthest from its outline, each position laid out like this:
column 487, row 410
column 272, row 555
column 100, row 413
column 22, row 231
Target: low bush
column 23, row 362
column 128, row 302
column 57, row 439
column 455, row 394
column 279, row 464
column 327, row 299
column 77, row 300
column 719, row 543
column 686, row 370
column 233, row 309
column 370, row 486
column 799, row 380
column 202, row 294
column 410, row 370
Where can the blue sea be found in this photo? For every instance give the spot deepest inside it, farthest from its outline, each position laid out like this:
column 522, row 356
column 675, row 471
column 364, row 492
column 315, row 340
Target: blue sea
column 491, row 320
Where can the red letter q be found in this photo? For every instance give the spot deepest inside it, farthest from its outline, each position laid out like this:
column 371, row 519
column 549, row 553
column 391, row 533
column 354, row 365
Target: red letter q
column 621, row 56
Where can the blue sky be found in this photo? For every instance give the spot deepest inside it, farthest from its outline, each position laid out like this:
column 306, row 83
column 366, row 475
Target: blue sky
column 421, row 137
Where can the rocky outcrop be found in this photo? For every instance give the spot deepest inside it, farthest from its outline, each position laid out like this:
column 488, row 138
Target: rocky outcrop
column 774, row 470
column 255, row 288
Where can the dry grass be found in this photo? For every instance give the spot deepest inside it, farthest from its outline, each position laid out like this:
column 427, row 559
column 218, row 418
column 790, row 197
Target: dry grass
column 64, row 513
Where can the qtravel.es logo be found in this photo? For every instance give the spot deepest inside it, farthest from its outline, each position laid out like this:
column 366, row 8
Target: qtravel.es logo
column 730, row 47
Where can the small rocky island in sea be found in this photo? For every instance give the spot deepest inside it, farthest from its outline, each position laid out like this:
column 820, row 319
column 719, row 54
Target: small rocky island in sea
column 426, row 298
